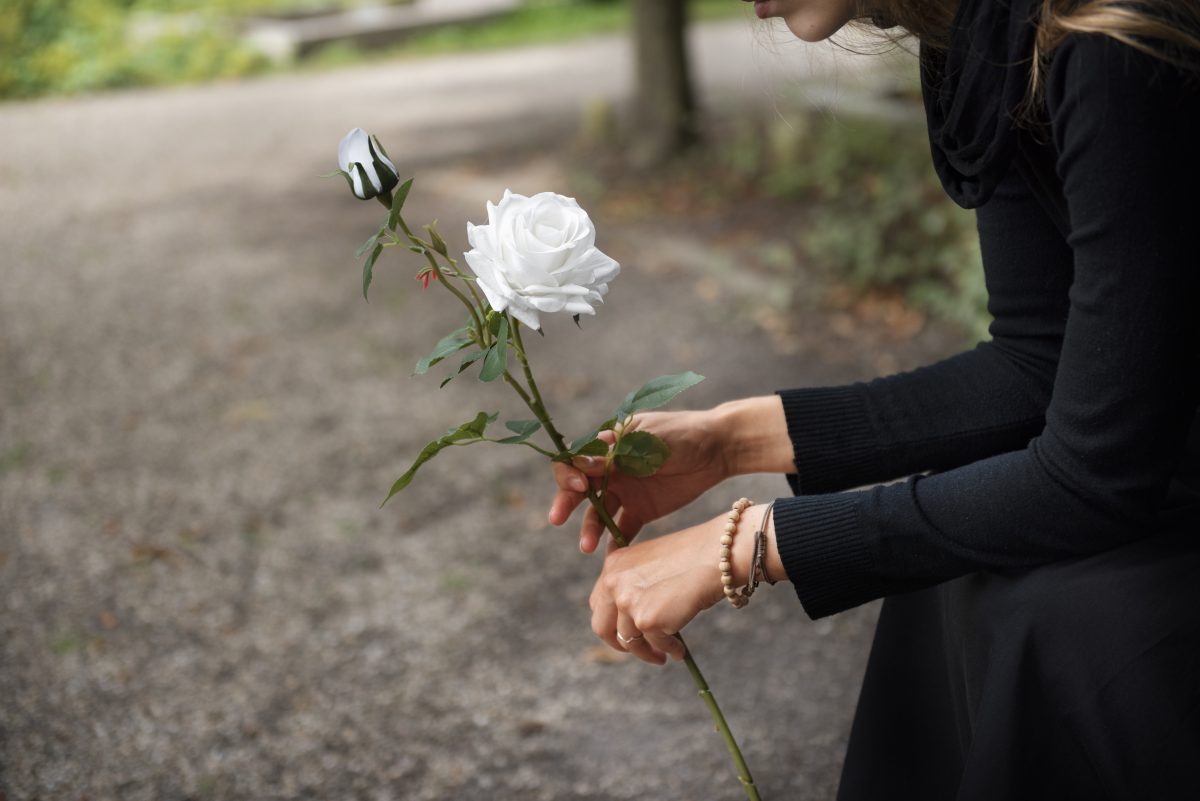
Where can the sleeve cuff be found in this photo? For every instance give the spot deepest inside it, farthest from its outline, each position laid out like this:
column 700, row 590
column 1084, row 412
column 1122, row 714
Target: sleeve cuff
column 835, row 444
column 821, row 545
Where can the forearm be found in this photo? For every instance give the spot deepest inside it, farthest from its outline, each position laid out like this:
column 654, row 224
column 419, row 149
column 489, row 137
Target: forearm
column 755, row 436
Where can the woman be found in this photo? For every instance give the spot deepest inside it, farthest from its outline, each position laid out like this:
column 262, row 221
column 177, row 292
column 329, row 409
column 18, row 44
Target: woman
column 1040, row 635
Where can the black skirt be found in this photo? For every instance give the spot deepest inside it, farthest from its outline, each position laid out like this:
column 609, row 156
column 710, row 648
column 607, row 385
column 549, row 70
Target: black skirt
column 1074, row 680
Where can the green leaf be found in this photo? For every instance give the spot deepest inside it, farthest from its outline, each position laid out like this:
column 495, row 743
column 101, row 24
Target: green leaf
column 471, row 359
column 464, row 434
column 588, row 439
column 398, row 203
column 496, row 360
column 467, row 362
column 449, row 344
column 365, row 246
column 524, row 429
column 369, row 269
column 594, row 447
column 640, row 454
column 657, row 392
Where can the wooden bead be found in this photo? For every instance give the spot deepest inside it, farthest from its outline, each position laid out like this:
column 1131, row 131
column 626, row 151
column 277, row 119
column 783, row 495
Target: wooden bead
column 727, row 580
column 730, row 592
column 727, row 539
column 725, row 554
column 724, row 566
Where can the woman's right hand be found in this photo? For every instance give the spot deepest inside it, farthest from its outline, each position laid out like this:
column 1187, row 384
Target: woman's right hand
column 696, row 464
column 706, row 448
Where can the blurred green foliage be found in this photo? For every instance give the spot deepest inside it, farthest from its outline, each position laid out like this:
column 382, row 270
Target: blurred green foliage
column 534, row 22
column 879, row 218
column 69, row 46
column 82, row 45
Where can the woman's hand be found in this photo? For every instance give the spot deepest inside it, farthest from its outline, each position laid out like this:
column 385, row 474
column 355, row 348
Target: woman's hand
column 697, row 463
column 649, row 591
column 706, row 448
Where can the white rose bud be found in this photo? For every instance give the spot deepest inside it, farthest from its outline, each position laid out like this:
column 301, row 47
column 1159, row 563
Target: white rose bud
column 537, row 254
column 366, row 165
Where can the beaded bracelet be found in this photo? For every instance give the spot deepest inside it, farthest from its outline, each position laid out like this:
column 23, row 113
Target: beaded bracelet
column 738, row 598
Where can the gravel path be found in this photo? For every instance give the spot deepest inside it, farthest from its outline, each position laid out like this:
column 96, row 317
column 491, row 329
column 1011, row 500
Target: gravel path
column 199, row 598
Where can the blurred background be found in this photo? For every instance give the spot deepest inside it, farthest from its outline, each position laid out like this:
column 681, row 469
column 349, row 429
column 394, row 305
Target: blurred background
column 199, row 415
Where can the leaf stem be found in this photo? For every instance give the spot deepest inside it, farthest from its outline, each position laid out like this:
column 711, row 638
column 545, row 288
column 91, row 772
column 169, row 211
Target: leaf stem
column 537, row 448
column 536, row 405
column 433, row 263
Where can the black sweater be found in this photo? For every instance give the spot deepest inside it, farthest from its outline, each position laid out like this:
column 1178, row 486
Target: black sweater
column 1060, row 436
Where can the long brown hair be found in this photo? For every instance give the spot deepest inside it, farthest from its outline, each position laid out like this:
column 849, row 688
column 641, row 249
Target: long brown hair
column 1166, row 29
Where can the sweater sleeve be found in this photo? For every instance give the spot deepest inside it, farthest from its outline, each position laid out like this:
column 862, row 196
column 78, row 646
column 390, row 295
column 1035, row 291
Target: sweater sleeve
column 980, row 403
column 1126, row 126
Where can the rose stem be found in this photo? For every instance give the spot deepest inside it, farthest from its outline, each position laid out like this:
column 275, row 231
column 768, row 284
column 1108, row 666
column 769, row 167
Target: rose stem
column 479, row 328
column 539, row 409
column 469, row 283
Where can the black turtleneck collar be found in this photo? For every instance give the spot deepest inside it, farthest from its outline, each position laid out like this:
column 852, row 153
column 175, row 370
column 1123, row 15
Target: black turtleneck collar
column 973, row 90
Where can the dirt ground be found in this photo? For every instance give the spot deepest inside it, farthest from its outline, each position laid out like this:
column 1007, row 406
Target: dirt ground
column 199, row 596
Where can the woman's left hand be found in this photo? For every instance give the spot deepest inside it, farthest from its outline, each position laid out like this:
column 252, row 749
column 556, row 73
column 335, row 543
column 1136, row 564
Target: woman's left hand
column 650, row 590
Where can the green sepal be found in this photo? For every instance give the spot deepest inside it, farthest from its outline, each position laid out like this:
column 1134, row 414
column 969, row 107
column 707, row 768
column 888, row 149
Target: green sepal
column 436, row 240
column 496, row 360
column 369, row 269
column 398, row 202
column 492, row 321
column 656, row 392
column 524, row 429
column 640, row 454
column 447, row 345
column 364, row 181
column 467, row 433
column 344, row 174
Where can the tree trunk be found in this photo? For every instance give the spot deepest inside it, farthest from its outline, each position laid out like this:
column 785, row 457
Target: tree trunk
column 664, row 107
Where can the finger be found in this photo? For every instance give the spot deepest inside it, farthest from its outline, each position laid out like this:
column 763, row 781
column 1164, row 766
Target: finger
column 636, row 642
column 590, row 531
column 593, row 527
column 570, row 478
column 589, row 465
column 667, row 644
column 604, row 618
column 565, row 502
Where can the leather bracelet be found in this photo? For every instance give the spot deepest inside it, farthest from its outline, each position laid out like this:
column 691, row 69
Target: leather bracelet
column 757, row 570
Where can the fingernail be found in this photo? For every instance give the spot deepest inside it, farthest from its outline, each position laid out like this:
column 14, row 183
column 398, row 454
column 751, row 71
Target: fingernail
column 577, row 483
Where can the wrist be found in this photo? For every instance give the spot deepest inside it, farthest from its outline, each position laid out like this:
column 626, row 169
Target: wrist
column 754, row 436
column 742, row 550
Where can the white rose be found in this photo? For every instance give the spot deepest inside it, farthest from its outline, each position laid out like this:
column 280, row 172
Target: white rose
column 365, row 164
column 538, row 254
